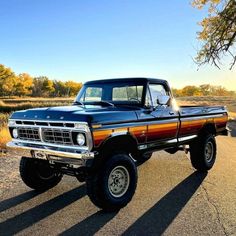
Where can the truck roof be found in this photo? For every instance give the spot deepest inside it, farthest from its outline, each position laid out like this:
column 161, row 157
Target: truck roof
column 133, row 79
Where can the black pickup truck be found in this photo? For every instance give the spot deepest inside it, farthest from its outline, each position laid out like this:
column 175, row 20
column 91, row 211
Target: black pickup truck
column 112, row 126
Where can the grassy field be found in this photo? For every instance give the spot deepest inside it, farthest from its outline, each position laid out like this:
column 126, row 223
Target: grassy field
column 9, row 105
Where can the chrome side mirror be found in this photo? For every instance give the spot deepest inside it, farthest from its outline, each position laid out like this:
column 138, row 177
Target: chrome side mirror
column 163, row 99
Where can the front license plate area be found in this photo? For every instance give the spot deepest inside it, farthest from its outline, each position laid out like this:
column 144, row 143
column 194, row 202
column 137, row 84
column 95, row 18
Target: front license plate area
column 39, row 155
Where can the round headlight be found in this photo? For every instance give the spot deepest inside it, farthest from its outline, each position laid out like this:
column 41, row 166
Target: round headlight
column 80, row 139
column 15, row 133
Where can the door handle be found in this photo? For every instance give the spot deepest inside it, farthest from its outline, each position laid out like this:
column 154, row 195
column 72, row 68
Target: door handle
column 171, row 113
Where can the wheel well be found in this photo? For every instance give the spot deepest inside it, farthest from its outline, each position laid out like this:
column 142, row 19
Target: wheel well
column 209, row 128
column 114, row 144
column 125, row 143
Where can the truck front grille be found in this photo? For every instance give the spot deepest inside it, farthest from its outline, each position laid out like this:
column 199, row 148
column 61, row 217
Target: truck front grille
column 57, row 136
column 29, row 134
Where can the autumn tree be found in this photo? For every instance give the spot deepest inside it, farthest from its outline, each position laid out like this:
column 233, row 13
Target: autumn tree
column 72, row 88
column 218, row 33
column 205, row 89
column 24, row 85
column 42, row 86
column 59, row 88
column 8, row 81
column 191, row 91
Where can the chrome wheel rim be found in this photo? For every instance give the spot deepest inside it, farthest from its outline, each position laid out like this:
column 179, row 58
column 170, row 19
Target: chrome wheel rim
column 209, row 150
column 118, row 181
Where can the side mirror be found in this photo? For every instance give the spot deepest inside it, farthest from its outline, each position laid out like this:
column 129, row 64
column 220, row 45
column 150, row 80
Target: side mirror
column 163, row 99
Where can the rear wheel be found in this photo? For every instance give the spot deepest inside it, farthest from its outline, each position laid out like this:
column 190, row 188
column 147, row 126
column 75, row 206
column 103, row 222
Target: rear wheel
column 38, row 175
column 113, row 186
column 203, row 152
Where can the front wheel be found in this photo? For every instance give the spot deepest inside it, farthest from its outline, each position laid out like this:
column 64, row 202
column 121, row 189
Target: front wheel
column 113, row 186
column 143, row 157
column 37, row 174
column 203, row 152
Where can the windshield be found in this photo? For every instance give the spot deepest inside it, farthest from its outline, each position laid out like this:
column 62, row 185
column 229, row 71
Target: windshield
column 111, row 92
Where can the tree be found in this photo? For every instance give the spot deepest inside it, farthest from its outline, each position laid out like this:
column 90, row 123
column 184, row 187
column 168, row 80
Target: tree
column 8, row 81
column 24, row 84
column 59, row 88
column 218, row 32
column 191, row 91
column 72, row 88
column 205, row 89
column 42, row 87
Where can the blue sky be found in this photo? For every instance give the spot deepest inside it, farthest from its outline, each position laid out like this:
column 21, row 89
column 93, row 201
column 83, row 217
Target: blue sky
column 84, row 40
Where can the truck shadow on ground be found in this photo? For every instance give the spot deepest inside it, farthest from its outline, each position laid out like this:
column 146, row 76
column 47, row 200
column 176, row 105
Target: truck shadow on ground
column 37, row 213
column 155, row 221
column 14, row 201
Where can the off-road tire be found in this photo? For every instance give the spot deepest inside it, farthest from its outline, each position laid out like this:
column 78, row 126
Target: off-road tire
column 99, row 189
column 38, row 175
column 203, row 152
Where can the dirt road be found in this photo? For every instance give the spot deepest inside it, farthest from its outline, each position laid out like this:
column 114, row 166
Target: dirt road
column 171, row 199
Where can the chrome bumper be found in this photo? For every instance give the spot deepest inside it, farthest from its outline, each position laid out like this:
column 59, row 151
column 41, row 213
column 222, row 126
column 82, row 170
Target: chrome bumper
column 54, row 154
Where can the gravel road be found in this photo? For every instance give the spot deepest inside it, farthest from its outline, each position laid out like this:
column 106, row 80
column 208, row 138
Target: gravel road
column 171, row 199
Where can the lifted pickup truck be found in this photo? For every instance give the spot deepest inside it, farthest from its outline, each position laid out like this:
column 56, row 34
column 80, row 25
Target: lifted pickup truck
column 112, row 125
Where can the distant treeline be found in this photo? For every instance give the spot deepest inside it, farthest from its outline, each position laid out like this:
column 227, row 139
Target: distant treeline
column 202, row 90
column 26, row 85
column 23, row 84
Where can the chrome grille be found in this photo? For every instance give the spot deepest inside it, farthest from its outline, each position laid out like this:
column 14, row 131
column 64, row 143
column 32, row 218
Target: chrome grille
column 57, row 136
column 29, row 133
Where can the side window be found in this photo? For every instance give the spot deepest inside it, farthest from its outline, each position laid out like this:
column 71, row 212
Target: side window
column 157, row 90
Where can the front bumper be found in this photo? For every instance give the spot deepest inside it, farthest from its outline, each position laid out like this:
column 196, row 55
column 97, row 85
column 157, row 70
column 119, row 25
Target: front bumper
column 53, row 154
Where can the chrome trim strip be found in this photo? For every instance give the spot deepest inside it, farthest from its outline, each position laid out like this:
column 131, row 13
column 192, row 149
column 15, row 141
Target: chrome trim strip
column 119, row 133
column 52, row 121
column 182, row 139
column 157, row 144
column 200, row 117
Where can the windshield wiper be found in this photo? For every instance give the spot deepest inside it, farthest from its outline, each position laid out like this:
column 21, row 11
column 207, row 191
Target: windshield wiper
column 108, row 103
column 102, row 102
column 78, row 103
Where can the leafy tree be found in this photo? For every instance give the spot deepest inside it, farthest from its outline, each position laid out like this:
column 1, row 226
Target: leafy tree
column 72, row 88
column 42, row 87
column 205, row 89
column 24, row 85
column 47, row 87
column 8, row 81
column 218, row 32
column 59, row 88
column 191, row 91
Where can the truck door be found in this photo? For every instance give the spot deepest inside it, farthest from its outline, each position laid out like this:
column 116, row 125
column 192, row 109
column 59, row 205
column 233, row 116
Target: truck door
column 163, row 127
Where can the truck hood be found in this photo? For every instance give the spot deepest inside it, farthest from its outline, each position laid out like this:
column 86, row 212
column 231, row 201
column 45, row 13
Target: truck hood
column 89, row 113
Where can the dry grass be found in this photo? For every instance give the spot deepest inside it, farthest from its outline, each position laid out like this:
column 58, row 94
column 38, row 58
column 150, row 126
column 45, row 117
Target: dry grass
column 4, row 137
column 15, row 105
